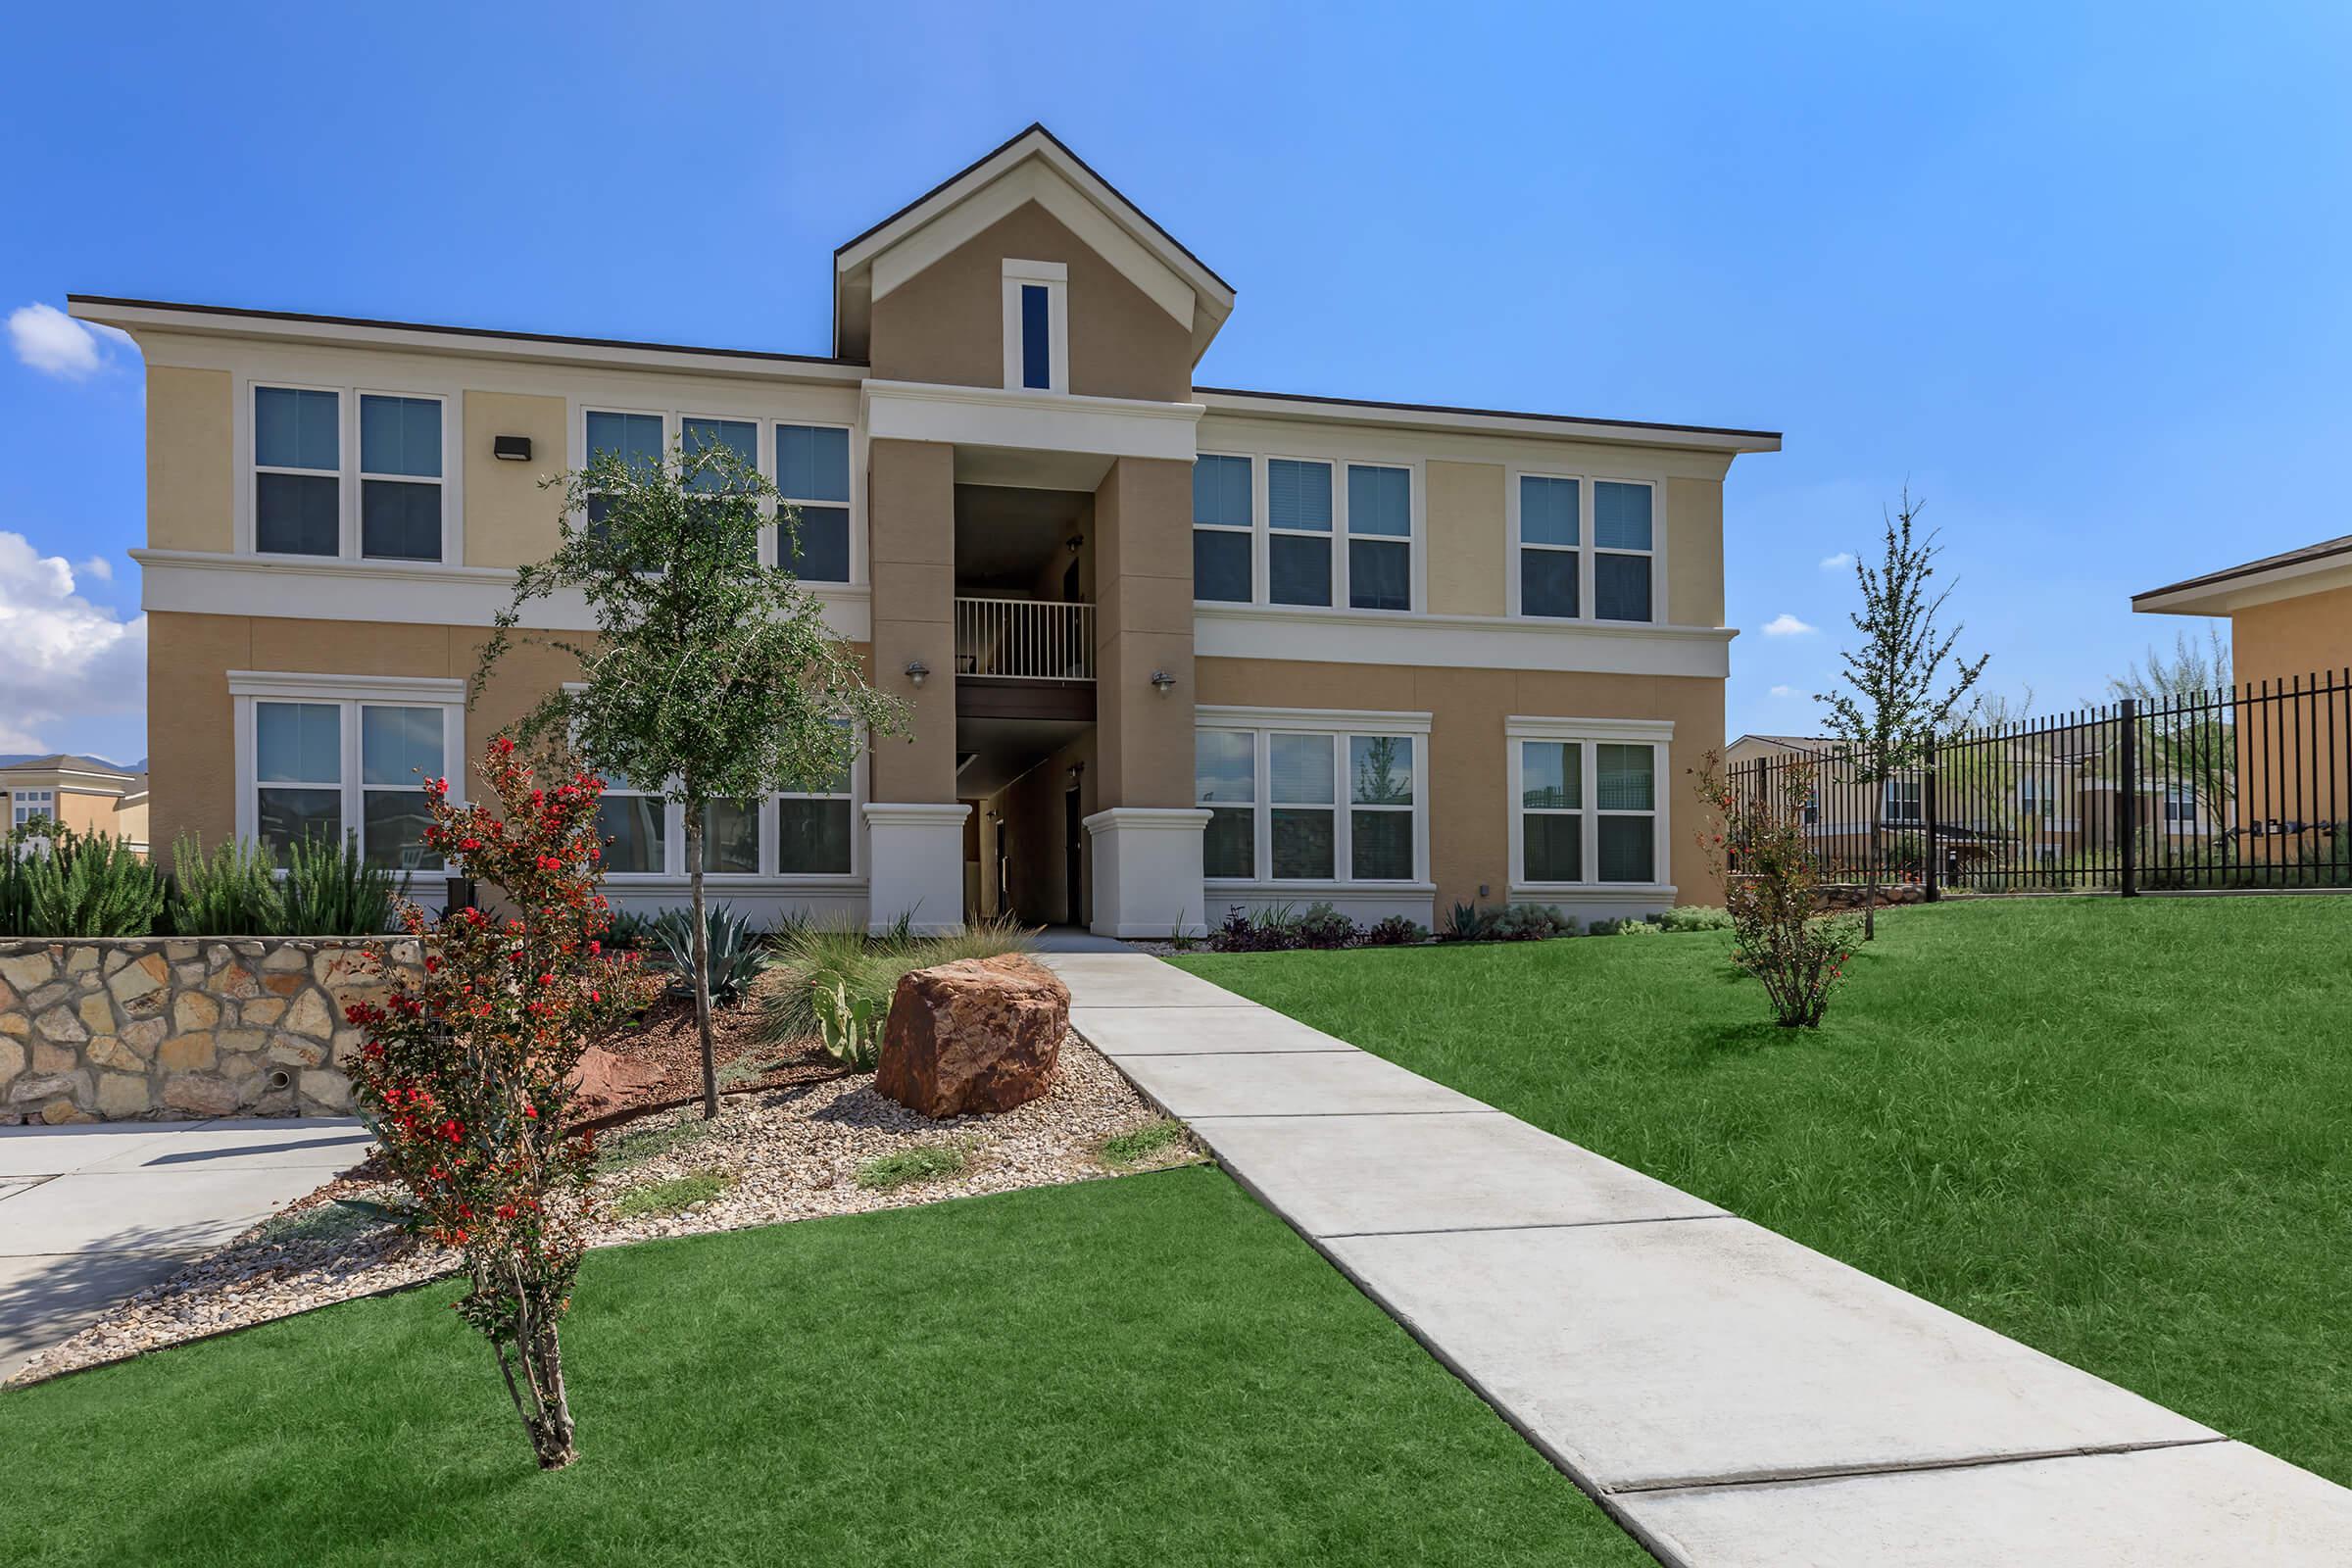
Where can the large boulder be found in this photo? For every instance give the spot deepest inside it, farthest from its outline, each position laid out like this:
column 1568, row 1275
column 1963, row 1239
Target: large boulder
column 976, row 1034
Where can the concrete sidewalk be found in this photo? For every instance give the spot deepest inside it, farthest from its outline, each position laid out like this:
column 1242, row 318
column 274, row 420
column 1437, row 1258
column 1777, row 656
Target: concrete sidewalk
column 1734, row 1400
column 91, row 1214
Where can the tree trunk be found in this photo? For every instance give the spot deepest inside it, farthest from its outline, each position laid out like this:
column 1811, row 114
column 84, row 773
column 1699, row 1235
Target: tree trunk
column 702, row 960
column 1870, row 883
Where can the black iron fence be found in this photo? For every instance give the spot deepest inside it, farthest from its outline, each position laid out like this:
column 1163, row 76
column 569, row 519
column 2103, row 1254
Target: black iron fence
column 2248, row 787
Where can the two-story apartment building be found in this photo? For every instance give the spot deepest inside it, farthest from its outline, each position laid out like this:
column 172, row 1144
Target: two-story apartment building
column 1168, row 648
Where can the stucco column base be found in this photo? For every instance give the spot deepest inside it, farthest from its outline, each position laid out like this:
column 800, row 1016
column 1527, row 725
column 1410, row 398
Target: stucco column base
column 1148, row 870
column 916, row 853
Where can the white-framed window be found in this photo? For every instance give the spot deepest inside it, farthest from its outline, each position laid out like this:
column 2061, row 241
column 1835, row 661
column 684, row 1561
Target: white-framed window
column 1588, row 802
column 327, row 757
column 26, row 805
column 1037, row 326
column 2180, row 803
column 1292, row 531
column 349, row 472
column 1584, row 547
column 815, row 829
column 1307, row 798
column 1224, row 528
column 1902, row 800
column 811, row 463
column 2036, row 797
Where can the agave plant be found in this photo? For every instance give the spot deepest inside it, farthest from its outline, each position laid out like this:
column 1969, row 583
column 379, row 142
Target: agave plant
column 736, row 955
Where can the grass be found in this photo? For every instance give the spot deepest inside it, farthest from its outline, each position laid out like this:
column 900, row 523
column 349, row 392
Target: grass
column 671, row 1197
column 870, row 967
column 1138, row 1146
column 1145, row 1370
column 2113, row 1129
column 924, row 1162
column 628, row 1149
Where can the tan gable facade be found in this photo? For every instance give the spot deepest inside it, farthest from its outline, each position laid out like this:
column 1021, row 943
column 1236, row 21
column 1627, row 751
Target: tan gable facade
column 1170, row 649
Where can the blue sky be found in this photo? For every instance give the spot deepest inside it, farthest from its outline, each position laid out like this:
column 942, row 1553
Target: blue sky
column 2077, row 274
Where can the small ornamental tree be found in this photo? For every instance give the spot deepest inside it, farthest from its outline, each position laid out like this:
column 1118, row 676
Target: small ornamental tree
column 465, row 1076
column 712, row 677
column 1899, row 697
column 1782, row 932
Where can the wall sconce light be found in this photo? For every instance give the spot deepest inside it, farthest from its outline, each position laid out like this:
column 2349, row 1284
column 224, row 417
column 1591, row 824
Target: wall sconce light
column 918, row 673
column 1075, row 541
column 1163, row 682
column 511, row 448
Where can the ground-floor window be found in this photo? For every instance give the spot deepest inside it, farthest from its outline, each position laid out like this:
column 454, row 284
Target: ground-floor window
column 1313, row 796
column 1588, row 802
column 799, row 833
column 325, row 757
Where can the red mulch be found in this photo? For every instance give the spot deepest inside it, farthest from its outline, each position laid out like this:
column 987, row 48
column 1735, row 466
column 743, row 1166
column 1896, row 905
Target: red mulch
column 660, row 1062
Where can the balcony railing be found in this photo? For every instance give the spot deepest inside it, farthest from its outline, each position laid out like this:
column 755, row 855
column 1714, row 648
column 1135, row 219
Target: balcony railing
column 1024, row 639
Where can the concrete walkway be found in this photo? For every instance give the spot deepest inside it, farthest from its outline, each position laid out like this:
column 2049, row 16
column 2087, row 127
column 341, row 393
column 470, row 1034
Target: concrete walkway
column 1734, row 1400
column 90, row 1214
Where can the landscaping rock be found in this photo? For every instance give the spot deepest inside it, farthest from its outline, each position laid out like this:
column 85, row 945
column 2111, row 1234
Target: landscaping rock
column 977, row 1035
column 602, row 1079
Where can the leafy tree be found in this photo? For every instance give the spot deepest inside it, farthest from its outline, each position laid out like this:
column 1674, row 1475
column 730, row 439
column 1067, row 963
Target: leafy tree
column 2187, row 722
column 711, row 677
column 1898, row 697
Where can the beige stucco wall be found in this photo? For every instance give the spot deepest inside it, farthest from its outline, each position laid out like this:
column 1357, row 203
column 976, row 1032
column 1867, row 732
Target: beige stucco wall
column 1469, row 534
column 1468, row 765
column 910, row 511
column 510, row 520
column 947, row 323
column 191, row 459
column 1143, row 624
column 2292, row 639
column 1693, row 553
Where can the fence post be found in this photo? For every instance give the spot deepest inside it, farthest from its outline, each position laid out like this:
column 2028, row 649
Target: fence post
column 1926, row 807
column 2127, row 802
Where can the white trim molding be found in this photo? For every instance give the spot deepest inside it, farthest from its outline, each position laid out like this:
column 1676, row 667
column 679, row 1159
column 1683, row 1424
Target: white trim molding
column 1147, row 870
column 914, row 859
column 1052, row 277
column 1035, row 421
column 1458, row 642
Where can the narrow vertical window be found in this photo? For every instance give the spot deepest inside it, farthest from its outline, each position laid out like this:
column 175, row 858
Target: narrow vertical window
column 635, row 439
column 630, row 822
column 297, row 771
column 731, row 837
column 812, row 478
column 1305, row 800
column 1551, row 801
column 297, row 471
column 1621, row 551
column 1037, row 338
column 400, row 478
column 400, row 748
column 1299, row 532
column 1379, row 530
column 1550, row 527
column 1223, row 515
column 1626, row 801
column 1225, row 781
column 813, row 828
column 1380, row 813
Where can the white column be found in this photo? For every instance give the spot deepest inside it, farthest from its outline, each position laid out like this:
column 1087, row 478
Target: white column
column 1148, row 870
column 914, row 854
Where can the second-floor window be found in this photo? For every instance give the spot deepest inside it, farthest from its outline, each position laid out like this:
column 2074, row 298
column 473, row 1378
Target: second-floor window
column 1223, row 529
column 808, row 463
column 316, row 491
column 1298, row 532
column 1036, row 327
column 1304, row 532
column 1586, row 549
column 812, row 478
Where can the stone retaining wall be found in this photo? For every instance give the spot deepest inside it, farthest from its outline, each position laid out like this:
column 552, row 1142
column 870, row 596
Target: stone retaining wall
column 1853, row 895
column 164, row 1028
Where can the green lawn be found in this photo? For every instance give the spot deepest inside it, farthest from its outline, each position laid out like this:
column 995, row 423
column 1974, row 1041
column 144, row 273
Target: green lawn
column 1151, row 1370
column 2119, row 1131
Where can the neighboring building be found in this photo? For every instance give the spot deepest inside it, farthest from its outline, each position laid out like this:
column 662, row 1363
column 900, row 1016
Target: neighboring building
column 79, row 793
column 2291, row 616
column 1169, row 649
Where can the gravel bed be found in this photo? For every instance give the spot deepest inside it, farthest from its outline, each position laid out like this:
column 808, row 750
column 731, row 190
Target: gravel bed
column 777, row 1155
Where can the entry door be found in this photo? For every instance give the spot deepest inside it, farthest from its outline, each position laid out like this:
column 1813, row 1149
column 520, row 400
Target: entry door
column 1073, row 831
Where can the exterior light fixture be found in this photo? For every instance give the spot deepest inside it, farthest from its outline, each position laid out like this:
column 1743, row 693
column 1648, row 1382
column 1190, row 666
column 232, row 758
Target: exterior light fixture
column 1075, row 541
column 1163, row 682
column 918, row 673
column 511, row 448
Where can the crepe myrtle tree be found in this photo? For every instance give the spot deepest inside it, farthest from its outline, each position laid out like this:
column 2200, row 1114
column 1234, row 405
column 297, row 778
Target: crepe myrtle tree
column 1903, row 687
column 710, row 676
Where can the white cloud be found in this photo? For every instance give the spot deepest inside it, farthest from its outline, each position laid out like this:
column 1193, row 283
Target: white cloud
column 100, row 567
column 1784, row 691
column 1839, row 561
column 66, row 657
column 1785, row 624
column 55, row 344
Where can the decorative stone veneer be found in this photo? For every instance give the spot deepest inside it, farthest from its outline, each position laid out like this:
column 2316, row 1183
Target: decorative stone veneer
column 164, row 1028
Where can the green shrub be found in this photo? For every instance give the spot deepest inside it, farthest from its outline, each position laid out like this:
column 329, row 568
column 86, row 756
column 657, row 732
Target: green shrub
column 1531, row 923
column 1694, row 917
column 811, row 961
column 1395, row 932
column 232, row 892
column 331, row 891
column 924, row 1162
column 1323, row 927
column 75, row 886
column 735, row 954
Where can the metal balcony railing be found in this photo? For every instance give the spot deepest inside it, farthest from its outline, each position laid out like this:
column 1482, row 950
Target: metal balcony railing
column 1024, row 639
